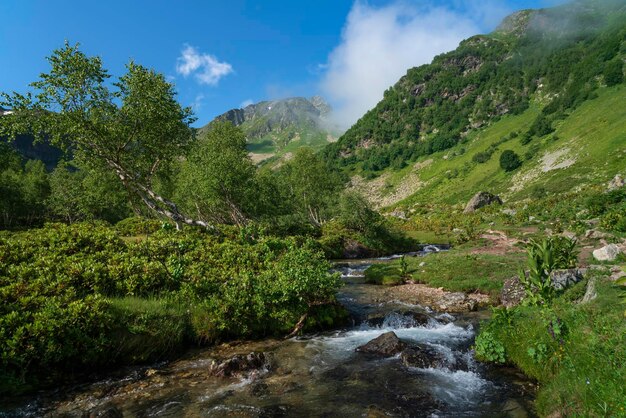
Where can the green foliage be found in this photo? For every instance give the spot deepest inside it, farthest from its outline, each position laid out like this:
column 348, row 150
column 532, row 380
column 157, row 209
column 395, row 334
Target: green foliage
column 80, row 296
column 600, row 203
column 136, row 225
column 575, row 351
column 218, row 179
column 509, row 160
column 135, row 131
column 488, row 348
column 613, row 72
column 312, row 188
column 542, row 258
column 87, row 194
column 24, row 189
column 356, row 213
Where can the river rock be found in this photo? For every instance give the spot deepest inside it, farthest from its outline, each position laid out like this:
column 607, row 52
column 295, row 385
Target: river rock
column 481, row 199
column 106, row 412
column 422, row 357
column 562, row 279
column 455, row 302
column 606, row 253
column 512, row 292
column 413, row 318
column 385, row 345
column 239, row 365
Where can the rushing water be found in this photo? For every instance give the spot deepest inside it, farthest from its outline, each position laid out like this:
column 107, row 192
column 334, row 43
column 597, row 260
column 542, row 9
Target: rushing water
column 317, row 375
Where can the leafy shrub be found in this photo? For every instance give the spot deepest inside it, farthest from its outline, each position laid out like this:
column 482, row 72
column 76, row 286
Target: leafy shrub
column 613, row 73
column 134, row 226
column 544, row 257
column 481, row 157
column 488, row 348
column 615, row 219
column 509, row 160
column 79, row 296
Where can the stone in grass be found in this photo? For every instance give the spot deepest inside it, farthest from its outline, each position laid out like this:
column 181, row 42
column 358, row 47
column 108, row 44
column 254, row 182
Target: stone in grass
column 606, row 253
column 385, row 345
column 481, row 199
column 564, row 278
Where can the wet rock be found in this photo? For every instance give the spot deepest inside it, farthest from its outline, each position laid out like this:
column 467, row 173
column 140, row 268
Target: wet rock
column 241, row 365
column 274, row 411
column 422, row 357
column 562, row 279
column 107, row 412
column 514, row 409
column 455, row 302
column 412, row 318
column 385, row 345
column 512, row 292
column 481, row 199
column 259, row 390
column 606, row 253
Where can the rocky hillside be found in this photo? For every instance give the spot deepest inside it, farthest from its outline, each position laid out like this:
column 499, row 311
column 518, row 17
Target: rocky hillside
column 547, row 84
column 279, row 126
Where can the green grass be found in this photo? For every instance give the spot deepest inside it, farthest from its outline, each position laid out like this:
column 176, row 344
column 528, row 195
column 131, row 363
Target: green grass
column 581, row 371
column 149, row 329
column 384, row 274
column 455, row 270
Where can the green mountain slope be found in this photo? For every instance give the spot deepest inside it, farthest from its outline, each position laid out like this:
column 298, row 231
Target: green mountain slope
column 587, row 147
column 275, row 128
column 531, row 86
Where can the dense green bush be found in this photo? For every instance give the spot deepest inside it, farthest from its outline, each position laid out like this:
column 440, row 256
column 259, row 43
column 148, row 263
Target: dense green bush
column 509, row 160
column 137, row 225
column 79, row 295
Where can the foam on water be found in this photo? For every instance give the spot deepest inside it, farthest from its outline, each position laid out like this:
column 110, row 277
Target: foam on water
column 456, row 388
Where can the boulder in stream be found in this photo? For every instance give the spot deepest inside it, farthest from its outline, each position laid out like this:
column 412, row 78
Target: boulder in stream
column 423, row 357
column 385, row 345
column 240, row 364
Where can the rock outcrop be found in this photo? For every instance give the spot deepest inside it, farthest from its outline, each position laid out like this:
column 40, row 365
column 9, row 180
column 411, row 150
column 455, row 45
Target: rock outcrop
column 480, row 200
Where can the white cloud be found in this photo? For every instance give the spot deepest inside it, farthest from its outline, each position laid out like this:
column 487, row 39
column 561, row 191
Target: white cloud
column 246, row 103
column 205, row 67
column 378, row 46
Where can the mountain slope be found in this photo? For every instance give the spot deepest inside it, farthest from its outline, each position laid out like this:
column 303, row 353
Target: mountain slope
column 533, row 86
column 552, row 58
column 279, row 126
column 588, row 147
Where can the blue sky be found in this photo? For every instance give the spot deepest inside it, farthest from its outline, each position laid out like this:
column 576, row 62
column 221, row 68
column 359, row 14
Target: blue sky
column 222, row 54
